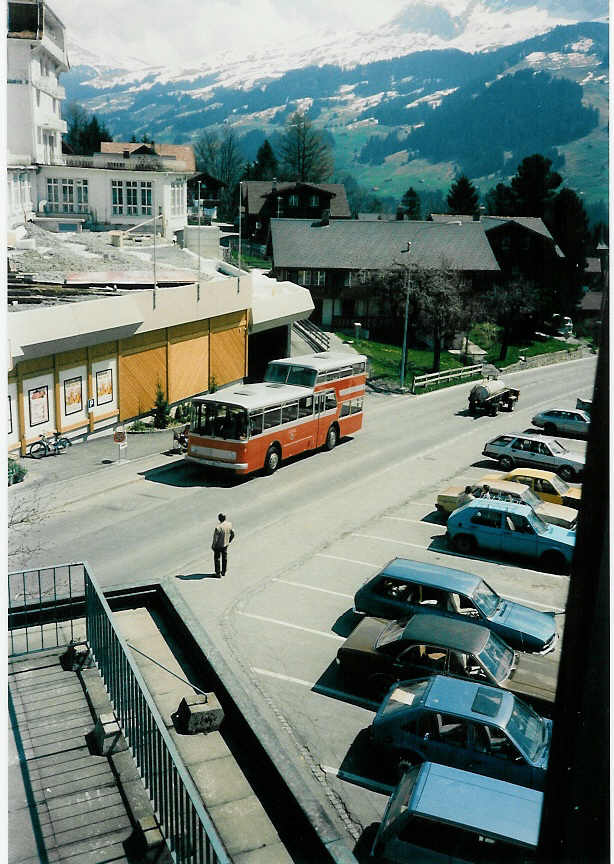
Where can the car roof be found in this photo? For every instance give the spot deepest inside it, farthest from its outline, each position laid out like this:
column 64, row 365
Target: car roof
column 532, row 436
column 432, row 575
column 532, row 472
column 457, row 696
column 495, row 504
column 506, row 486
column 433, row 629
column 492, row 807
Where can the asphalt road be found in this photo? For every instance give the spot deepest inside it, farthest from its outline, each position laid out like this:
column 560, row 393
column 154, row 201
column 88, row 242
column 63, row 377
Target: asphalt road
column 307, row 538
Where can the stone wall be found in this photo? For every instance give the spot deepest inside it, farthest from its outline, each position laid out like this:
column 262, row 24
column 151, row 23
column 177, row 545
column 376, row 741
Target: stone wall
column 549, row 359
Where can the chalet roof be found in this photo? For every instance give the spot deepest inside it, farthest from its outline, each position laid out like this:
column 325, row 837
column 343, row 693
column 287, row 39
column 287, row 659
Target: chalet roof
column 207, row 179
column 450, row 217
column 181, row 152
column 351, row 244
column 257, row 193
column 531, row 223
column 592, row 301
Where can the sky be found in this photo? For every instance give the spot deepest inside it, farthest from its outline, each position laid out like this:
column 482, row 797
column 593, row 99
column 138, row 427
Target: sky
column 154, row 32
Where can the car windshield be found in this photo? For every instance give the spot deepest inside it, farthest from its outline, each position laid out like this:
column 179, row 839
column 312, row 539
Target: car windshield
column 497, row 658
column 537, row 522
column 390, row 634
column 530, row 498
column 561, row 487
column 527, row 729
column 557, row 447
column 485, row 599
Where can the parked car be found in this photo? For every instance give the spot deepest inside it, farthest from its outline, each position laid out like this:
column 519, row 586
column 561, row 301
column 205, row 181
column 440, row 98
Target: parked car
column 558, row 422
column 511, row 529
column 545, row 484
column 465, row 725
column 380, row 652
column 584, row 404
column 454, row 497
column 536, row 452
column 404, row 587
column 441, row 815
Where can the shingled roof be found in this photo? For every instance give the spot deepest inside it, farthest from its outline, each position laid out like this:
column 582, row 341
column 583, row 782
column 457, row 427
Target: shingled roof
column 181, row 152
column 257, row 192
column 356, row 245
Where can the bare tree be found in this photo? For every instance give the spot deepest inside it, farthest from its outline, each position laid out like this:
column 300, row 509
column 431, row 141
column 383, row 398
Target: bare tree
column 23, row 515
column 438, row 295
column 221, row 157
column 305, row 153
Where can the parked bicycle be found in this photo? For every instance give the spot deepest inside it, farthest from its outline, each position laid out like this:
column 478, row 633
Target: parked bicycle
column 49, row 446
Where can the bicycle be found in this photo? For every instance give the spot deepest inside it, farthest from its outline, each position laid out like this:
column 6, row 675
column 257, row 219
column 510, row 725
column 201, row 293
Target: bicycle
column 49, row 446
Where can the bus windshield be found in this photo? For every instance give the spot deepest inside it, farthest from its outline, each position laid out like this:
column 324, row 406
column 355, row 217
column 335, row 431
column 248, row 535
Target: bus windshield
column 218, row 420
column 283, row 373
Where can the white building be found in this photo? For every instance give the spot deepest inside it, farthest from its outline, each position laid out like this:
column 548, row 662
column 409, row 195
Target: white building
column 66, row 191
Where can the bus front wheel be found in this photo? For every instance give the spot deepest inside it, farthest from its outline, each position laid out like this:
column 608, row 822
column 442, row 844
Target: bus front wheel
column 273, row 458
column 332, row 436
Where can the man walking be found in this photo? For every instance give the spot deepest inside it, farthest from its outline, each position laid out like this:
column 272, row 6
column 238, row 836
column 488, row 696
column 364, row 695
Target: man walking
column 223, row 536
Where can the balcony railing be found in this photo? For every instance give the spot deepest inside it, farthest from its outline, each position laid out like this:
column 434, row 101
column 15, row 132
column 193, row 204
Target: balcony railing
column 52, row 208
column 69, row 592
column 49, row 85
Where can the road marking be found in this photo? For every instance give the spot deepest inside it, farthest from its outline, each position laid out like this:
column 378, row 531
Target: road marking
column 318, row 688
column 412, row 521
column 359, row 780
column 292, row 626
column 313, row 588
column 455, row 554
column 348, row 560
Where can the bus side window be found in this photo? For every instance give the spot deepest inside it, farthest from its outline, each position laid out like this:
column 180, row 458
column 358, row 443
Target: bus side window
column 356, row 406
column 255, row 424
column 289, row 412
column 358, row 368
column 305, row 406
column 272, row 417
column 345, row 409
column 331, row 400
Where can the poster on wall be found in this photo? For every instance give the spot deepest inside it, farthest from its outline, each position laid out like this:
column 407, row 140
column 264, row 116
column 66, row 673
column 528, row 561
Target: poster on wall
column 38, row 400
column 104, row 387
column 10, row 416
column 73, row 398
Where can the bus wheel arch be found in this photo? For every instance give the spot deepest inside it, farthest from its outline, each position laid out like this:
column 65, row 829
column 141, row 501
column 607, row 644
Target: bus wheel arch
column 272, row 460
column 332, row 437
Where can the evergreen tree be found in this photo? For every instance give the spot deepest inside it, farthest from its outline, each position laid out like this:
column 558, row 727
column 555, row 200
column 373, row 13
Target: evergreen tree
column 305, row 153
column 534, row 186
column 84, row 132
column 161, row 412
column 500, row 201
column 569, row 227
column 266, row 165
column 410, row 204
column 463, row 197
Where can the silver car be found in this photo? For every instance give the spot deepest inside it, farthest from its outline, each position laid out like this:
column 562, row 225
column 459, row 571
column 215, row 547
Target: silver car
column 558, row 422
column 535, row 451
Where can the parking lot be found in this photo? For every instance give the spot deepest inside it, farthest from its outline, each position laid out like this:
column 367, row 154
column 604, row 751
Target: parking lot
column 307, row 613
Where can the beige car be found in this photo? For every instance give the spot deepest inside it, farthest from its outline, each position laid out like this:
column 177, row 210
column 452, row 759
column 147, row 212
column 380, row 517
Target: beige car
column 455, row 496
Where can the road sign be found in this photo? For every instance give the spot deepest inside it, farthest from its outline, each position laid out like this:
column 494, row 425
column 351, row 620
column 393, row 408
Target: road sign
column 90, row 404
column 119, row 436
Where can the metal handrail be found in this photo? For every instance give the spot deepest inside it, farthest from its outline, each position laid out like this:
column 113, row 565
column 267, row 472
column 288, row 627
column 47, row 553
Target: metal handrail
column 447, row 375
column 188, row 828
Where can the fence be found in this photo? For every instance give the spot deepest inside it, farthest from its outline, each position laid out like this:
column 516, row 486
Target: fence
column 311, row 333
column 188, row 829
column 448, row 375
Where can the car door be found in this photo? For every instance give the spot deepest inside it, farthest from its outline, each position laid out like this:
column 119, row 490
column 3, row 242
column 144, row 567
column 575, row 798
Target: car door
column 578, row 425
column 449, row 743
column 519, row 537
column 421, row 659
column 498, row 756
column 486, row 528
column 390, row 597
column 548, row 460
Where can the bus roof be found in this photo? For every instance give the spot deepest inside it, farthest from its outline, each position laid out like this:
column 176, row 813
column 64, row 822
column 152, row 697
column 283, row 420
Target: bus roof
column 323, row 361
column 253, row 396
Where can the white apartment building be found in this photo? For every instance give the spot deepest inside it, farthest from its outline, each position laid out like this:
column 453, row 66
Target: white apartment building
column 65, row 191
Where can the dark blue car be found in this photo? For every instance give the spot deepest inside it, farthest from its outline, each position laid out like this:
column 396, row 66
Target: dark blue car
column 404, row 587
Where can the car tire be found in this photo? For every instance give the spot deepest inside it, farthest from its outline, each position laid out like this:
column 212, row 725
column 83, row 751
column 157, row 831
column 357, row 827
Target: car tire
column 567, row 473
column 549, row 429
column 332, row 437
column 506, row 462
column 465, row 544
column 554, row 562
column 272, row 460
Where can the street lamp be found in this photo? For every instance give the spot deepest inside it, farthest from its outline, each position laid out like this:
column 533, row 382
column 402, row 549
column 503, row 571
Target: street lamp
column 407, row 287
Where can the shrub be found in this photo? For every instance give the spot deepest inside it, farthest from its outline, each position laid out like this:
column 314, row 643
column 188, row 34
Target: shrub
column 16, row 471
column 161, row 412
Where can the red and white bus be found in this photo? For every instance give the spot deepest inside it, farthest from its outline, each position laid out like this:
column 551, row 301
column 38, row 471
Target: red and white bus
column 303, row 403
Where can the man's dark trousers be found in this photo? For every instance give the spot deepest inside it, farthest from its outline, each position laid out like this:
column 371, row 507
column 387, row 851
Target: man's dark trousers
column 223, row 554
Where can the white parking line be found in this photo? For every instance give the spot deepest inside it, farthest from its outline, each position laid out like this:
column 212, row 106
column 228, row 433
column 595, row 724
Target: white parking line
column 292, row 626
column 413, row 521
column 318, row 688
column 452, row 554
column 367, row 782
column 313, row 588
column 347, row 560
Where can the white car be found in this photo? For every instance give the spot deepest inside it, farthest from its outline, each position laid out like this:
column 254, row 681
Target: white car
column 536, row 452
column 558, row 422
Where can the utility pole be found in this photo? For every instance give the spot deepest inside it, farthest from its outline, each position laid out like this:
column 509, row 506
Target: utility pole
column 198, row 288
column 155, row 213
column 240, row 208
column 407, row 287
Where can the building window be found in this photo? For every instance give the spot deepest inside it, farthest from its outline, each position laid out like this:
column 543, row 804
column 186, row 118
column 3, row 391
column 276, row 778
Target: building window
column 131, row 197
column 53, row 192
column 146, row 198
column 68, row 195
column 320, row 278
column 314, row 201
column 117, row 197
column 82, row 196
column 177, row 187
column 347, row 279
column 38, row 98
column 300, row 277
column 293, row 201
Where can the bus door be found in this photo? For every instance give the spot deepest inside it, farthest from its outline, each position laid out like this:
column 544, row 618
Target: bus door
column 326, row 412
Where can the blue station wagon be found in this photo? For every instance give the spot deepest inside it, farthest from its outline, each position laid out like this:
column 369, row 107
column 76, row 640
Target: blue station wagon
column 464, row 724
column 403, row 587
column 512, row 529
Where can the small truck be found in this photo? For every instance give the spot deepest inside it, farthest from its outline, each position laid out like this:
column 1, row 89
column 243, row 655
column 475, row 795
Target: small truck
column 491, row 395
